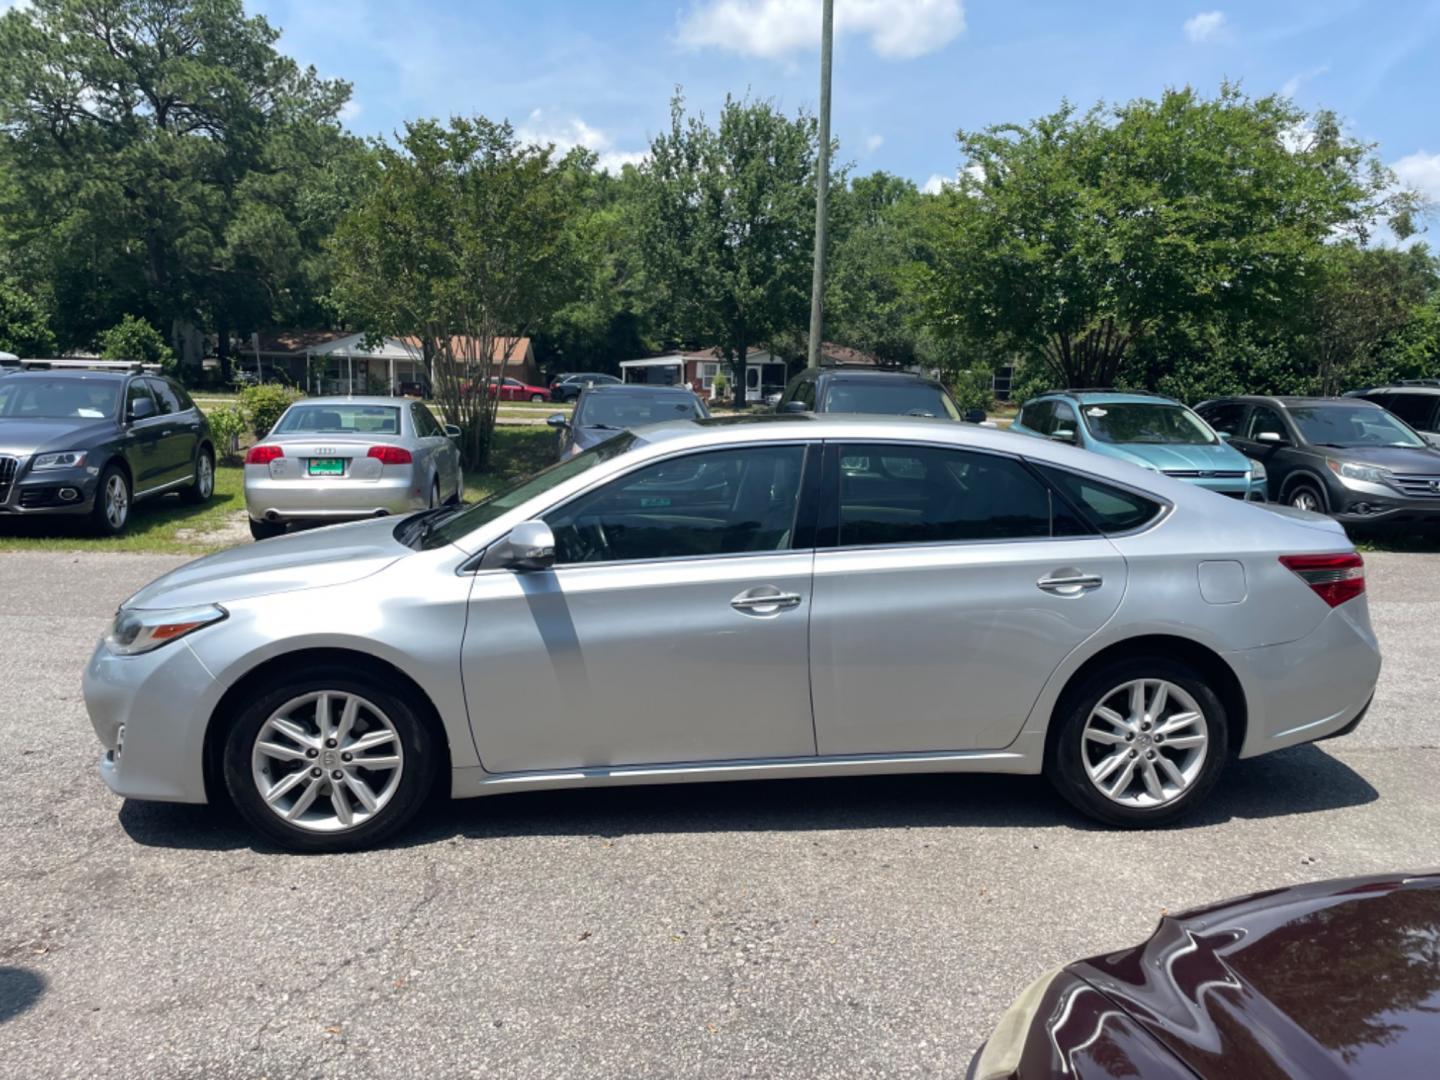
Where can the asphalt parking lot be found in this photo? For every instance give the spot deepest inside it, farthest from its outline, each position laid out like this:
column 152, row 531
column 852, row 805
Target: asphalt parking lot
column 872, row 927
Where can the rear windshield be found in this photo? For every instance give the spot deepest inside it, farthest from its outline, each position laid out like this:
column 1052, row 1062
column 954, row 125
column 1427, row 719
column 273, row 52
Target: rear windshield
column 633, row 410
column 340, row 420
column 889, row 399
column 1142, row 422
column 26, row 398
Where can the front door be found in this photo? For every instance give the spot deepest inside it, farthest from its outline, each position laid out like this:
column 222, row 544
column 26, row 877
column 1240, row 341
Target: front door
column 671, row 629
column 955, row 589
column 149, row 465
column 178, row 435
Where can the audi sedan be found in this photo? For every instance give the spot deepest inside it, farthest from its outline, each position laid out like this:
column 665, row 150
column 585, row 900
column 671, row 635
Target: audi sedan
column 782, row 596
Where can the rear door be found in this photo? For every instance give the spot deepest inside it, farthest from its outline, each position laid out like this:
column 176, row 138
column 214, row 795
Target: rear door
column 948, row 586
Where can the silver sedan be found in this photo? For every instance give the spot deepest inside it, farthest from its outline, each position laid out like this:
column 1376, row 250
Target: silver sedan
column 777, row 597
column 340, row 458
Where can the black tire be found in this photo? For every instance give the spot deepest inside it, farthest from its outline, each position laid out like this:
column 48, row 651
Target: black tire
column 264, row 530
column 459, row 496
column 434, row 494
column 203, row 487
column 1306, row 490
column 1066, row 748
column 102, row 520
column 420, row 751
column 537, row 397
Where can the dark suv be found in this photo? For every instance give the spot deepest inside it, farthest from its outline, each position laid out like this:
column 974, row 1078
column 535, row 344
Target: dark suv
column 1418, row 404
column 1340, row 456
column 93, row 442
column 865, row 390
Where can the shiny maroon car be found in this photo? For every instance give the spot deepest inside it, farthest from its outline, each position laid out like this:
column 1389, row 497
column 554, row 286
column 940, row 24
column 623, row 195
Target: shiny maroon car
column 1329, row 980
column 515, row 390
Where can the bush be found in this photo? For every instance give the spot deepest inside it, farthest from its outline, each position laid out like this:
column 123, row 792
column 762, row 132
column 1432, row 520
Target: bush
column 263, row 405
column 227, row 424
column 135, row 339
column 971, row 390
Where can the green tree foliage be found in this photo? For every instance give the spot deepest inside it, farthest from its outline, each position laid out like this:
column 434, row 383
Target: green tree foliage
column 261, row 405
column 136, row 339
column 724, row 224
column 24, row 326
column 465, row 242
column 228, row 424
column 1075, row 238
column 165, row 160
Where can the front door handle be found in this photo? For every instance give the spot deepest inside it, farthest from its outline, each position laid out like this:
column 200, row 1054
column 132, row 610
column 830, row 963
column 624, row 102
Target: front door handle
column 764, row 600
column 1070, row 582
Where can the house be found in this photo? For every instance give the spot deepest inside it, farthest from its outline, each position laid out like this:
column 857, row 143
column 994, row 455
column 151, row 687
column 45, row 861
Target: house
column 697, row 369
column 338, row 362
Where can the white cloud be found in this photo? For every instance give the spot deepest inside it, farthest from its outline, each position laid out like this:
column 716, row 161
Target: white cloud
column 565, row 135
column 1293, row 84
column 1421, row 172
column 15, row 5
column 936, row 184
column 351, row 110
column 897, row 29
column 873, row 143
column 1206, row 26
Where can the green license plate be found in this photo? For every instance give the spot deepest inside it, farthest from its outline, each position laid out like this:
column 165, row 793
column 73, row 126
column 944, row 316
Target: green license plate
column 331, row 466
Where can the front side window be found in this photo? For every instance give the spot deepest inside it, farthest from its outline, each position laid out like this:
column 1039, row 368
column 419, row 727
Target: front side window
column 1037, row 416
column 340, row 419
column 135, row 393
column 1064, row 418
column 425, row 425
column 1110, row 509
column 27, row 398
column 884, row 398
column 1266, row 421
column 1352, row 425
column 1133, row 422
column 723, row 502
column 1226, row 416
column 892, row 495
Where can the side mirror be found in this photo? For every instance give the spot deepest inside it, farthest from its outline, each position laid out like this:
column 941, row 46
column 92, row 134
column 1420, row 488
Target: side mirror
column 530, row 546
column 142, row 410
column 452, row 431
column 557, row 421
column 1272, row 437
column 793, row 407
column 1065, row 435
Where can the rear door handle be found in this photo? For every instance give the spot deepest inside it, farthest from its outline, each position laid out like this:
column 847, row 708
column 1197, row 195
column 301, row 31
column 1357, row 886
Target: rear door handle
column 1070, row 583
column 765, row 600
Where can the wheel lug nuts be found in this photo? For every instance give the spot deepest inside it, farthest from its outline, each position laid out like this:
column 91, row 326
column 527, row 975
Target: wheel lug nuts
column 312, row 752
column 317, row 772
column 1129, row 736
column 331, row 743
column 1133, row 753
column 1150, row 754
column 347, row 756
column 336, row 775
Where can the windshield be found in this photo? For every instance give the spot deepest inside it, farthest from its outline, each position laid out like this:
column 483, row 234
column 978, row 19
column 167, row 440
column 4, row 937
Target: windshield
column 486, row 510
column 23, row 398
column 1352, row 425
column 1143, row 422
column 339, row 420
column 890, row 399
column 634, row 410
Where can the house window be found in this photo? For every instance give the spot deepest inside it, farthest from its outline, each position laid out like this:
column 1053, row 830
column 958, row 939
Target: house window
column 707, row 375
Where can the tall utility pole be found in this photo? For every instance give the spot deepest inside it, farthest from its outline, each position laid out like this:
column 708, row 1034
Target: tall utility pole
column 822, row 189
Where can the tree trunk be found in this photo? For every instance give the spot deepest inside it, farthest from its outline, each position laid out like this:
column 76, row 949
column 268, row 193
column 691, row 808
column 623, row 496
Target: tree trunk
column 738, row 371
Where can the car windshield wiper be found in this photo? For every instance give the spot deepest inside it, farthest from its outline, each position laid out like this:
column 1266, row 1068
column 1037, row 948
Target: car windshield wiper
column 602, row 427
column 415, row 529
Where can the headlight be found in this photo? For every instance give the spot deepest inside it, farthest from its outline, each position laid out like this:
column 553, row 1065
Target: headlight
column 65, row 459
column 139, row 630
column 1257, row 472
column 1367, row 474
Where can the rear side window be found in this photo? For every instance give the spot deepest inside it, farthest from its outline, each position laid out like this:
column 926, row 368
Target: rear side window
column 892, row 495
column 166, row 396
column 1111, row 509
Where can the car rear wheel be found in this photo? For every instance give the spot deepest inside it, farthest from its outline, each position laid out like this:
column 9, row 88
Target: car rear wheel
column 112, row 502
column 1139, row 742
column 459, row 496
column 1307, row 496
column 264, row 530
column 329, row 760
column 204, row 485
column 537, row 397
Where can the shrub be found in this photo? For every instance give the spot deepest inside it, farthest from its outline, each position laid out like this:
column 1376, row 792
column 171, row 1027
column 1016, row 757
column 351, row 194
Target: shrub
column 263, row 405
column 227, row 424
column 136, row 339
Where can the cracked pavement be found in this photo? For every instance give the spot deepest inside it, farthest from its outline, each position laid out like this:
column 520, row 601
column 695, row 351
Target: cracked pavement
column 873, row 927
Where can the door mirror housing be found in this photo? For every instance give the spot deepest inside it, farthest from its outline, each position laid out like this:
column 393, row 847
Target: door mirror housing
column 974, row 416
column 557, row 421
column 452, row 431
column 1065, row 435
column 530, row 546
column 793, row 407
column 143, row 409
column 1274, row 438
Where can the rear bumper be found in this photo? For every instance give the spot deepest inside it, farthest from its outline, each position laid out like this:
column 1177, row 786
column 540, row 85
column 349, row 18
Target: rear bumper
column 1316, row 687
column 311, row 499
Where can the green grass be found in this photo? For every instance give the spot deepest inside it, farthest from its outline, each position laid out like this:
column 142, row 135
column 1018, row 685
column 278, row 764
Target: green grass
column 164, row 525
column 518, row 452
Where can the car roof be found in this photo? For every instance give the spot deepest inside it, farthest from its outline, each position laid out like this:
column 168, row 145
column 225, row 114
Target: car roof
column 358, row 399
column 860, row 374
column 638, row 388
column 1109, row 397
column 1288, row 401
column 77, row 373
column 1397, row 388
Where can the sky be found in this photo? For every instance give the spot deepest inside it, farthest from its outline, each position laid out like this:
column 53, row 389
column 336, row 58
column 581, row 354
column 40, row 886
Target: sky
column 907, row 75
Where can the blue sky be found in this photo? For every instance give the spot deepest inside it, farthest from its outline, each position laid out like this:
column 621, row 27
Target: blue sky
column 908, row 73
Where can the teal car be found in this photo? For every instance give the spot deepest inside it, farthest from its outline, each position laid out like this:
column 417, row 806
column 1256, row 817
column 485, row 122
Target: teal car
column 1148, row 430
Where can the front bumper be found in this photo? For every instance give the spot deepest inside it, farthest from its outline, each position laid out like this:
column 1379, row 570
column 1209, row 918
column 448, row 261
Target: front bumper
column 162, row 699
column 311, row 499
column 1390, row 512
column 1313, row 688
column 50, row 491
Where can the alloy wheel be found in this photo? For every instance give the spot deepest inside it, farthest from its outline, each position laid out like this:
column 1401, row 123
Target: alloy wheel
column 205, row 477
column 1144, row 743
column 117, row 502
column 327, row 761
column 1304, row 499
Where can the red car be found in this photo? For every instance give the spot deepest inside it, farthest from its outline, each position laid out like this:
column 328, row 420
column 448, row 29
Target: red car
column 515, row 390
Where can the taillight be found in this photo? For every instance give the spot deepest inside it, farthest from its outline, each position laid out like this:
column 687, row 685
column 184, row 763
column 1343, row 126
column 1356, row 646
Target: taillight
column 263, row 455
column 391, row 455
column 1333, row 578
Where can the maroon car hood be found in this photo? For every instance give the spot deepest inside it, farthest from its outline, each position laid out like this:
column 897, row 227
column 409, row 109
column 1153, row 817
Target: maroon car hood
column 1334, row 979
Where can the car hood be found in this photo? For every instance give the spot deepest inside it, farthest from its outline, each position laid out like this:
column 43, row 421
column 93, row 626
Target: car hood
column 1400, row 459
column 308, row 560
column 586, row 437
column 1332, row 979
column 25, row 437
column 1172, row 457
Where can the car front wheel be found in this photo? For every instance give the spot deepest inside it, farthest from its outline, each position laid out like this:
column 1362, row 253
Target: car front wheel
column 329, row 761
column 537, row 397
column 1307, row 497
column 1139, row 742
column 112, row 502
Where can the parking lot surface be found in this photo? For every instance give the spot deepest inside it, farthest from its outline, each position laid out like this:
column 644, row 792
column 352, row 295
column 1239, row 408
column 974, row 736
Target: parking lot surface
column 825, row 928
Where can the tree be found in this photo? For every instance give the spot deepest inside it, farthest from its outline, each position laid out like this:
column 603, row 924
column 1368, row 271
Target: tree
column 1077, row 236
column 724, row 222
column 135, row 339
column 463, row 244
column 161, row 155
column 24, row 328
